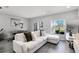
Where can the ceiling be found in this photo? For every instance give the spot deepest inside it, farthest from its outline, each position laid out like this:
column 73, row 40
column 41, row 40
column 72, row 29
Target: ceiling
column 34, row 11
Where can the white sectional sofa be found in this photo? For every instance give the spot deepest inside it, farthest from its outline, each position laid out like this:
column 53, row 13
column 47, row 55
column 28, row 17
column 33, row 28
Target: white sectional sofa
column 20, row 45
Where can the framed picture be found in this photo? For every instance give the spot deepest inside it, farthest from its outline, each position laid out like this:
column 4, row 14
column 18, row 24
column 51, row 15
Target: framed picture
column 41, row 25
column 16, row 24
column 35, row 26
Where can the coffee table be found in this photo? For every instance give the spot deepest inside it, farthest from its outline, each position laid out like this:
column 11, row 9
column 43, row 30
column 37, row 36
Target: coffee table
column 71, row 38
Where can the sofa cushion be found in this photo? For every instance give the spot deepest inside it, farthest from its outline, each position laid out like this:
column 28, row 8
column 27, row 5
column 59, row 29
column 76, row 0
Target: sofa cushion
column 28, row 36
column 32, row 44
column 39, row 39
column 53, row 36
column 43, row 37
column 20, row 37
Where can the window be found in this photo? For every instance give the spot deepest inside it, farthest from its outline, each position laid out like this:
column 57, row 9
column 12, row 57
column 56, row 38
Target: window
column 59, row 26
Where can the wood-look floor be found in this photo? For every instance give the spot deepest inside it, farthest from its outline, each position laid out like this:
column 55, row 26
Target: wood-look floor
column 61, row 47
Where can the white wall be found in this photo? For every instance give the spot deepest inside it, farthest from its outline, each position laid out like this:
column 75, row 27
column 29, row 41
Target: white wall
column 5, row 22
column 75, row 29
column 67, row 16
column 28, row 23
column 23, row 20
column 46, row 23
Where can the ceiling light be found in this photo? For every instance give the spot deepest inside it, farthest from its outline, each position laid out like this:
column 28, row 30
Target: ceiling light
column 68, row 6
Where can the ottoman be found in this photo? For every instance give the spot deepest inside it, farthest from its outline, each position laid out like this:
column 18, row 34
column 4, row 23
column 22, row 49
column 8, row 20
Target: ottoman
column 53, row 39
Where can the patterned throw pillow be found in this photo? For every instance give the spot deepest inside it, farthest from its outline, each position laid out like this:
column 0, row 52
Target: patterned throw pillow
column 20, row 37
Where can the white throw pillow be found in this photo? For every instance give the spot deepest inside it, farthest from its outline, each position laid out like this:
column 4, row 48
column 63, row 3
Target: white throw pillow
column 20, row 37
column 34, row 36
column 37, row 33
column 43, row 33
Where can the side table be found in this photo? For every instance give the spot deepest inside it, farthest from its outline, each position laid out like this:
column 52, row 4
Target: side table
column 71, row 42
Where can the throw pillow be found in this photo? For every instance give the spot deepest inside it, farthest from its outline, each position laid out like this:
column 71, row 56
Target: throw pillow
column 20, row 37
column 34, row 36
column 28, row 36
column 37, row 33
column 44, row 33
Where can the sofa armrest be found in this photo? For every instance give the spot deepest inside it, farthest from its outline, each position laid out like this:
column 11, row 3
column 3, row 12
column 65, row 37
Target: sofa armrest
column 18, row 46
